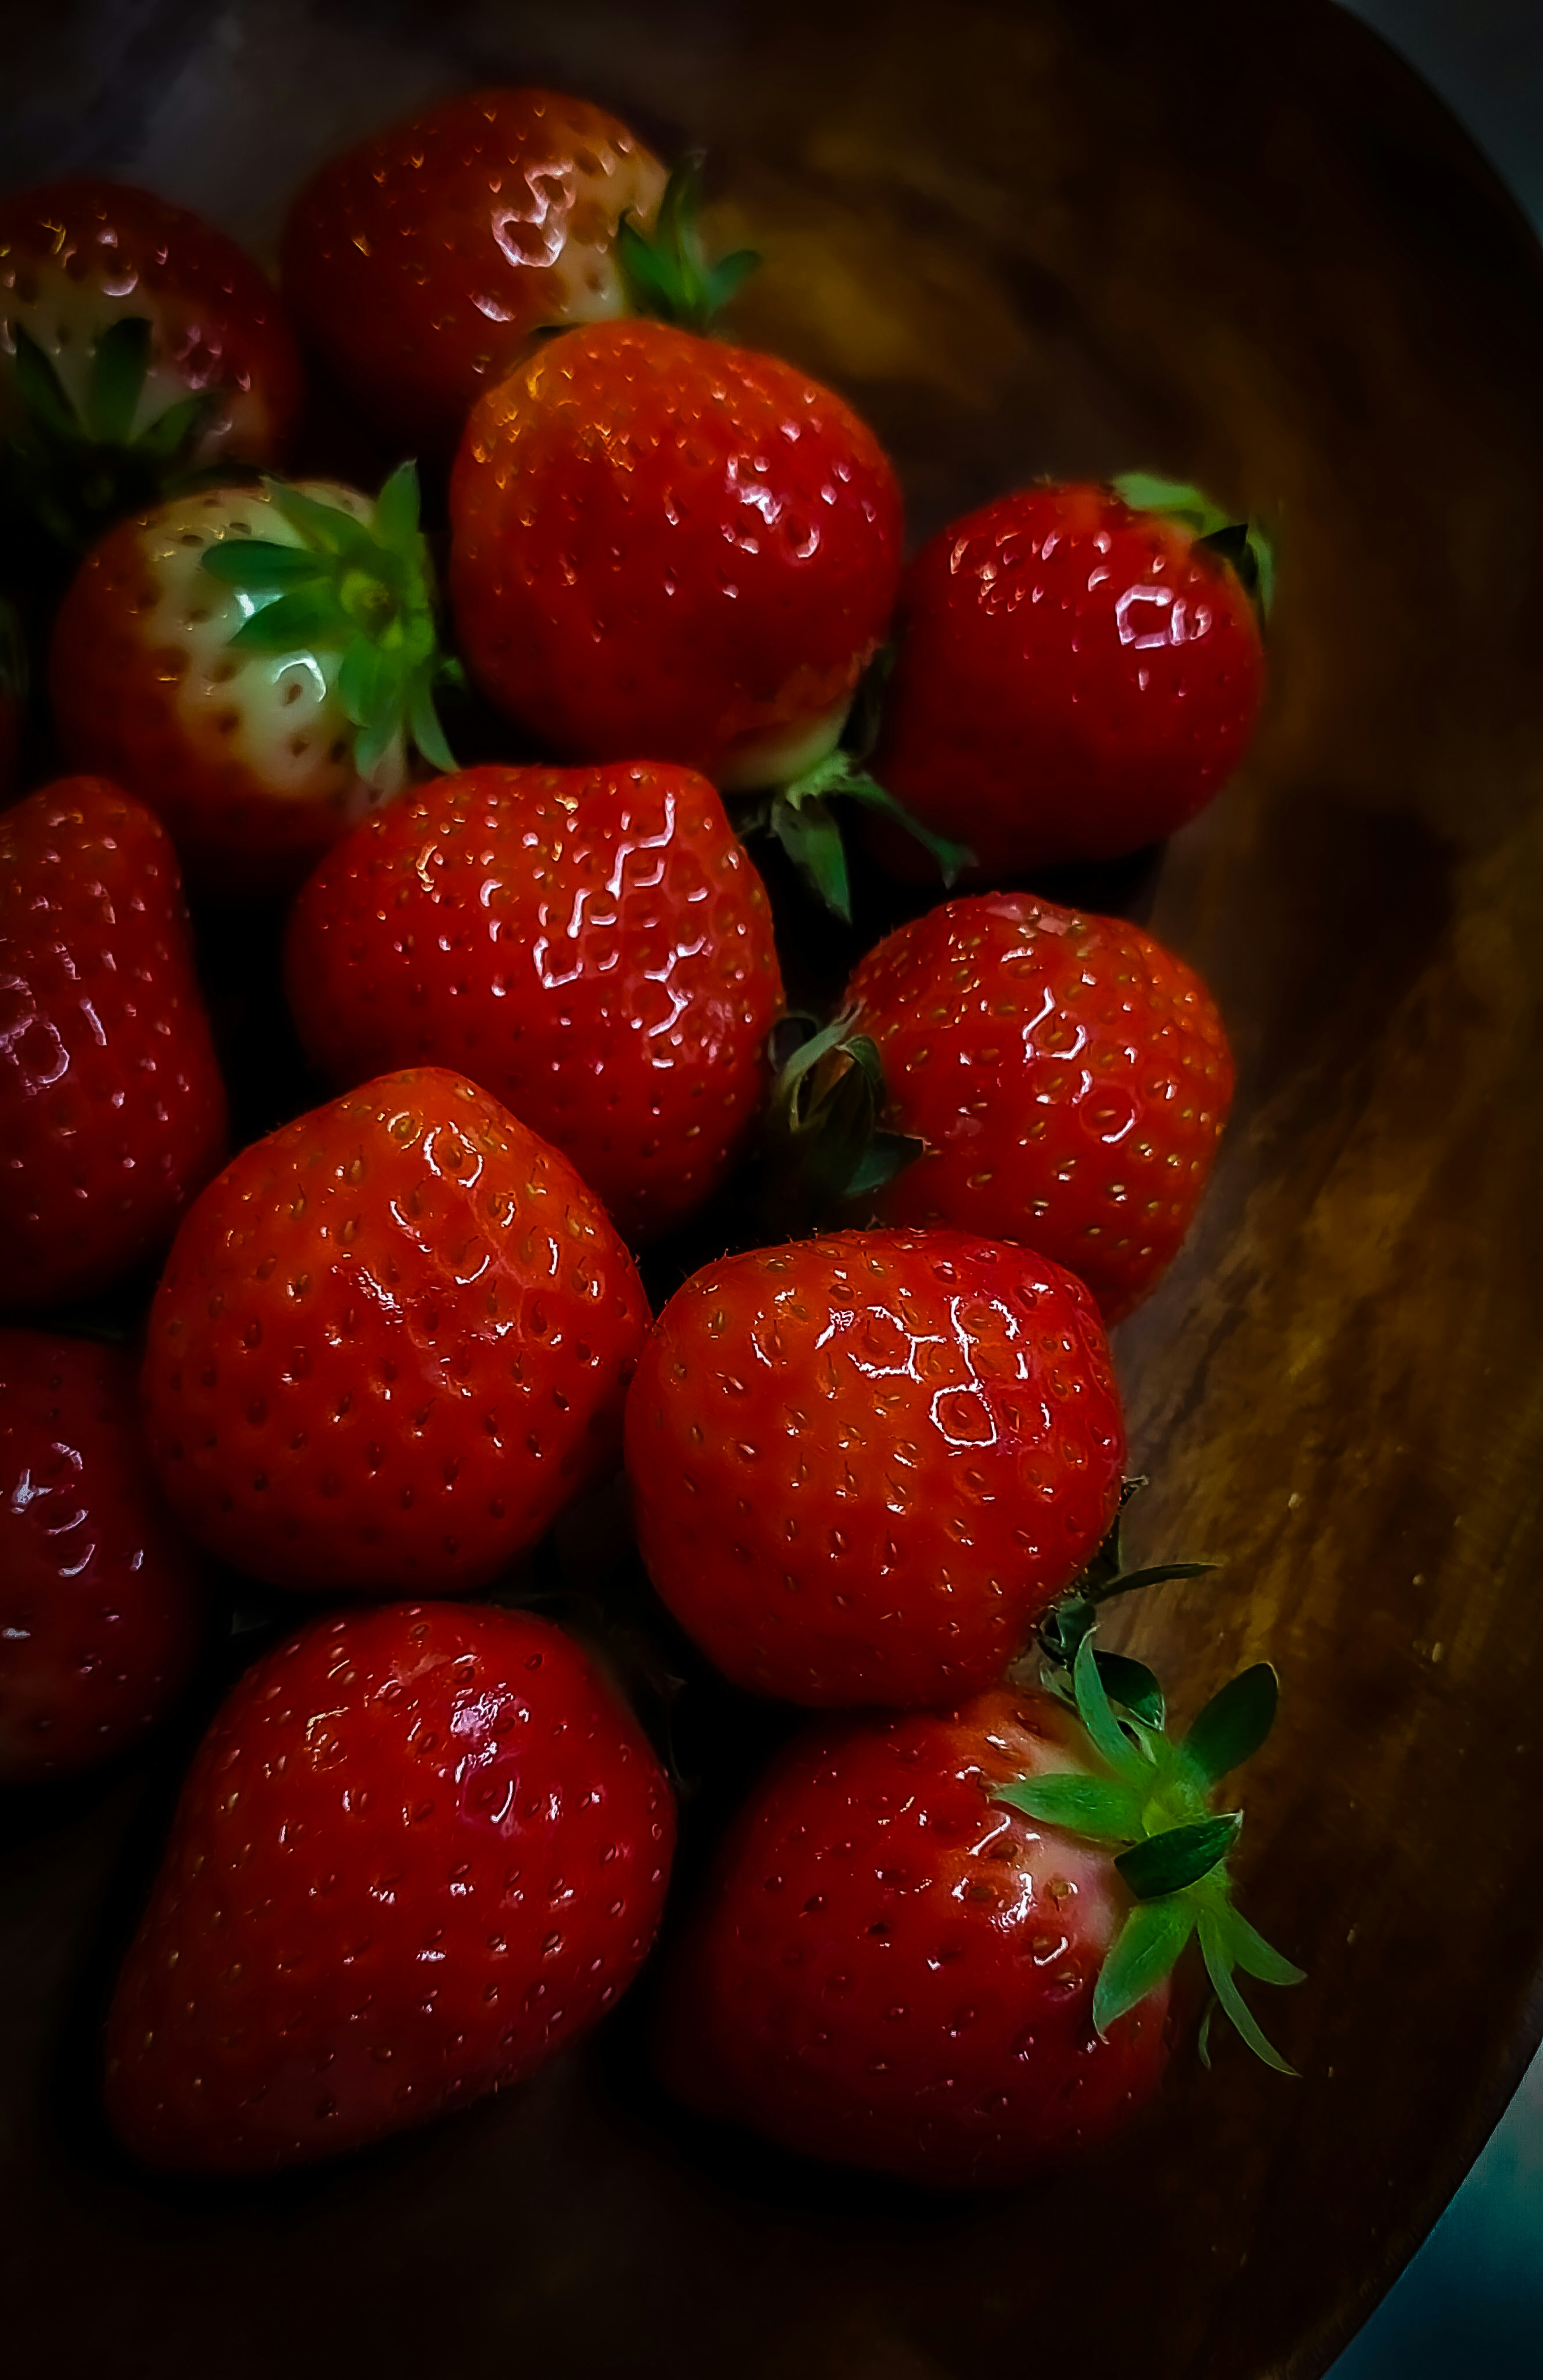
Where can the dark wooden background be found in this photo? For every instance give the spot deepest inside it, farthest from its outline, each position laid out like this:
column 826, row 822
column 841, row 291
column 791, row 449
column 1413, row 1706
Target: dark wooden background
column 1247, row 246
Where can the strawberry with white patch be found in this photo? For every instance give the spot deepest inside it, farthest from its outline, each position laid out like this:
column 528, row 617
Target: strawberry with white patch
column 137, row 344
column 258, row 664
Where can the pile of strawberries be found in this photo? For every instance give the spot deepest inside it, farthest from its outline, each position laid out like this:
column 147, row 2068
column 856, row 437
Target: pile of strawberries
column 389, row 1358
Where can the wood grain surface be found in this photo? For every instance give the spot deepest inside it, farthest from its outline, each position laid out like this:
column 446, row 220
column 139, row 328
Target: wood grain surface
column 1241, row 244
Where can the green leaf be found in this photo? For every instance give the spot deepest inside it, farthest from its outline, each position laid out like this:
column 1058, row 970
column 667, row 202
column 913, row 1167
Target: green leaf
column 385, row 722
column 326, row 529
column 1154, row 1574
column 40, row 389
column 1250, row 1951
column 1095, row 1806
column 305, row 621
column 887, row 1154
column 1134, row 1687
column 360, row 680
column 1104, row 1729
column 1148, row 1948
column 730, row 274
column 1232, row 1725
column 1262, row 551
column 174, row 435
column 1213, row 1950
column 665, row 271
column 1179, row 1856
column 836, row 774
column 396, row 513
column 423, row 721
column 118, row 380
column 1203, row 2041
column 1144, row 491
column 811, row 839
column 259, row 567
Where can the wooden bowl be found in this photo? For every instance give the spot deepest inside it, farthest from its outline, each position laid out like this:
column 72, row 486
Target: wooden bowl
column 1244, row 246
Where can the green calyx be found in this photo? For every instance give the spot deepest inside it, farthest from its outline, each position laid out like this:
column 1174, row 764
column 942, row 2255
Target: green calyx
column 667, row 273
column 1242, row 544
column 70, row 471
column 1152, row 1797
column 799, row 816
column 364, row 590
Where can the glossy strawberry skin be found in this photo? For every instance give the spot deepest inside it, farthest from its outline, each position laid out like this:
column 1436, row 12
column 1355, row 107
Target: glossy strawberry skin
column 101, row 1609
column 1069, row 1077
column 1074, row 680
column 112, row 1110
column 421, row 1848
column 76, row 256
column 591, row 945
column 863, row 1465
column 391, row 1342
column 421, row 262
column 892, row 1970
column 247, row 756
column 669, row 546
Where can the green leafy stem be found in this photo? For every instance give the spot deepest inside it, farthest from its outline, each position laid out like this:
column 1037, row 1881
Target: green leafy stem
column 361, row 590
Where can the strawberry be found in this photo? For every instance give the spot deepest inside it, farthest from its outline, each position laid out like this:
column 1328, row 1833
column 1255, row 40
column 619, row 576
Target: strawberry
column 136, row 343
column 662, row 545
column 112, row 1110
column 922, row 1953
column 591, row 945
column 256, row 663
column 391, row 1342
column 863, row 1465
column 1076, row 677
column 1054, row 1078
column 420, row 1848
column 422, row 262
column 100, row 1614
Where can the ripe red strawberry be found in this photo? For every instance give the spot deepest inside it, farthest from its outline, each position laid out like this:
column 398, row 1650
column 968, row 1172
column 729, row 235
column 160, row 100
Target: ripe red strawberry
column 111, row 1111
column 420, row 1848
column 918, row 1955
column 862, row 1467
column 136, row 342
column 667, row 546
column 391, row 1342
column 591, row 945
column 420, row 263
column 1074, row 679
column 1063, row 1080
column 256, row 663
column 100, row 1614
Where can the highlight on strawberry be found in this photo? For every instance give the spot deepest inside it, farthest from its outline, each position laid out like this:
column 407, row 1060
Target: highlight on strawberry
column 424, row 263
column 260, row 665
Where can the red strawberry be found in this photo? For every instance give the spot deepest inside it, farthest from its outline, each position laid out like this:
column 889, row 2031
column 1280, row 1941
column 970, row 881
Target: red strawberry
column 111, row 1111
column 593, row 946
column 918, row 1955
column 668, row 546
column 391, row 1342
column 421, row 261
column 256, row 663
column 862, row 1467
column 135, row 342
column 420, row 1848
column 100, row 1609
column 1063, row 1080
column 1074, row 679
